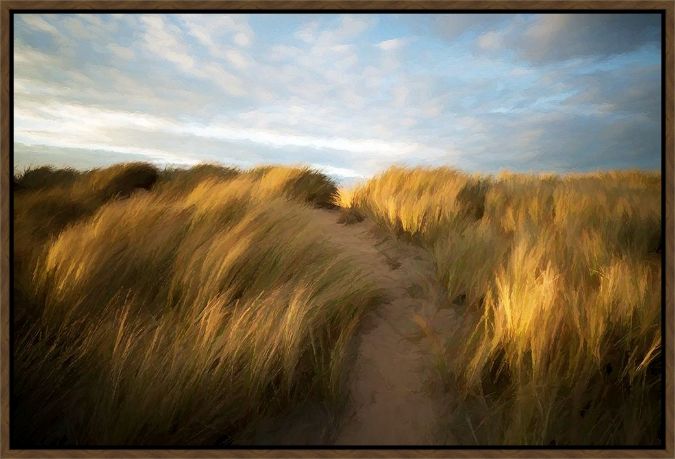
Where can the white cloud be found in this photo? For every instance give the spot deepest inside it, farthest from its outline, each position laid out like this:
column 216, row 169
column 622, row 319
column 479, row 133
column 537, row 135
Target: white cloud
column 37, row 22
column 78, row 126
column 216, row 31
column 76, row 28
column 391, row 45
column 90, row 129
column 278, row 53
column 242, row 39
column 225, row 80
column 521, row 71
column 308, row 32
column 401, row 93
column 121, row 51
column 162, row 39
column 288, row 139
column 351, row 26
column 28, row 55
column 490, row 41
column 167, row 40
column 339, row 171
column 236, row 58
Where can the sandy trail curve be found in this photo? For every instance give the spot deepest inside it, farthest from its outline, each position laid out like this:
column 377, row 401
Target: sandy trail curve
column 392, row 396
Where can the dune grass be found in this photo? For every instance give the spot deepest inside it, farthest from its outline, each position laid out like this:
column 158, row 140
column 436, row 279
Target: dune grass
column 157, row 307
column 181, row 315
column 47, row 200
column 558, row 278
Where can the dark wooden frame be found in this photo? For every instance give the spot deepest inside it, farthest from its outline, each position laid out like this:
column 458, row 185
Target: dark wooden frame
column 666, row 6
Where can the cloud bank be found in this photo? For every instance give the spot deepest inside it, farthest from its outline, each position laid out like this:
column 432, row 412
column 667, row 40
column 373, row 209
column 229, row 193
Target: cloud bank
column 350, row 94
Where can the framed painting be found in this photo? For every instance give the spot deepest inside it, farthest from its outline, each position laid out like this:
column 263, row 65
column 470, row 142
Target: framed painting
column 337, row 229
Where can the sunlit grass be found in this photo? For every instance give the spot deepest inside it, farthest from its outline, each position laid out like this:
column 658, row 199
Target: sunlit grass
column 182, row 306
column 560, row 276
column 181, row 318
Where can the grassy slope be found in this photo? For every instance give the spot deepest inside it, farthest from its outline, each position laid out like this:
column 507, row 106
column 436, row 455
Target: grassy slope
column 179, row 290
column 560, row 276
column 170, row 316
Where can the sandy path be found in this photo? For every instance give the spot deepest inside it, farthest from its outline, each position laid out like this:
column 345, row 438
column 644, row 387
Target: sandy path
column 392, row 400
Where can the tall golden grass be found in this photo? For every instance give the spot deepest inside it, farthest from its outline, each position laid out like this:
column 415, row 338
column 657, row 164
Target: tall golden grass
column 560, row 277
column 47, row 200
column 177, row 316
column 179, row 307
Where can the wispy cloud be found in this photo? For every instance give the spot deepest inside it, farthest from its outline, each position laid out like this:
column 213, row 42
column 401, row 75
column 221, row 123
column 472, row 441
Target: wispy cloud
column 349, row 94
column 391, row 44
column 163, row 40
column 37, row 23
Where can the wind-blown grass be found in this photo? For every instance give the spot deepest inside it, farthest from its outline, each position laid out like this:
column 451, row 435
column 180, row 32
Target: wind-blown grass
column 179, row 307
column 181, row 318
column 47, row 200
column 560, row 276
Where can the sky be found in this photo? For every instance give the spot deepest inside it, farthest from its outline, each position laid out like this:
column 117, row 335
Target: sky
column 347, row 94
